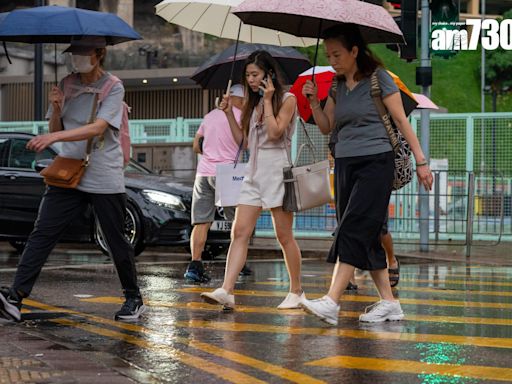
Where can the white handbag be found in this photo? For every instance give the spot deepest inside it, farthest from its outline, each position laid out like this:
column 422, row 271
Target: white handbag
column 307, row 186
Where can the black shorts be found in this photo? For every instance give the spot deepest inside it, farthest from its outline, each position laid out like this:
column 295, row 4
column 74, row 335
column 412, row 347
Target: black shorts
column 363, row 186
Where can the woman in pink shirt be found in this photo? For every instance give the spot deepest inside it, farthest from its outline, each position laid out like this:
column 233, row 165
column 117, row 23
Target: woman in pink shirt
column 267, row 126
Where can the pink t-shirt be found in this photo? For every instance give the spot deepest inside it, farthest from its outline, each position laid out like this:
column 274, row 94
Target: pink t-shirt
column 219, row 146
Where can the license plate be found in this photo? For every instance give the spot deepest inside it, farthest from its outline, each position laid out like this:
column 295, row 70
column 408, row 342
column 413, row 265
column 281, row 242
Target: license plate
column 224, row 226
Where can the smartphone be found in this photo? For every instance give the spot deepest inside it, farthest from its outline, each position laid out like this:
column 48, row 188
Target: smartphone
column 261, row 92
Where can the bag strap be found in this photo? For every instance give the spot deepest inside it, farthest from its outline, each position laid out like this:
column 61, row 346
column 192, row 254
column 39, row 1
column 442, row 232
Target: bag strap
column 383, row 113
column 92, row 119
column 309, row 145
column 240, row 148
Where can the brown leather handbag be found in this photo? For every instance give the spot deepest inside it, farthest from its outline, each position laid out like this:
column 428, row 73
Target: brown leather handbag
column 65, row 172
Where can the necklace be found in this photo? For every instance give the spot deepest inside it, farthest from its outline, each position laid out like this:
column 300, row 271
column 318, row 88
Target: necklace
column 348, row 89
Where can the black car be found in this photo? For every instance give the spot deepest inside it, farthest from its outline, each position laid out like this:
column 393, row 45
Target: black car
column 158, row 210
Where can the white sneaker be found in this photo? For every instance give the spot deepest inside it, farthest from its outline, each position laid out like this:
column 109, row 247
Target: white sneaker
column 292, row 301
column 325, row 309
column 382, row 311
column 219, row 296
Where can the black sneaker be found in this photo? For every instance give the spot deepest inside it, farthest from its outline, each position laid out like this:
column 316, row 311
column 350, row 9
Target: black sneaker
column 10, row 304
column 246, row 271
column 132, row 308
column 196, row 273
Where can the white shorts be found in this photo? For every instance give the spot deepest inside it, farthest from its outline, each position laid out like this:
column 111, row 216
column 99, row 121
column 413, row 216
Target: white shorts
column 266, row 187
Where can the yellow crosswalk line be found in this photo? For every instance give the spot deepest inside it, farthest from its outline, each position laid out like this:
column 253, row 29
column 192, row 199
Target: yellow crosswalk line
column 288, row 374
column 364, row 299
column 196, row 306
column 401, row 288
column 371, row 334
column 222, row 372
column 415, row 367
column 450, row 282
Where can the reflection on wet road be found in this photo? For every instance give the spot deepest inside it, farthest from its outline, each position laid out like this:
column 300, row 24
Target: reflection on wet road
column 458, row 326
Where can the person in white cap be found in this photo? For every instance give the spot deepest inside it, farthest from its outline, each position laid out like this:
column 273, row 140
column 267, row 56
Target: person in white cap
column 72, row 122
column 215, row 142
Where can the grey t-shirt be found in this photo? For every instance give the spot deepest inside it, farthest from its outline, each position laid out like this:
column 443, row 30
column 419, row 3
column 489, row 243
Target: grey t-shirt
column 105, row 171
column 361, row 129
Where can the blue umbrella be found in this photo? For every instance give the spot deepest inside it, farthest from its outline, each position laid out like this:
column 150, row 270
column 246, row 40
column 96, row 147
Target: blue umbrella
column 54, row 24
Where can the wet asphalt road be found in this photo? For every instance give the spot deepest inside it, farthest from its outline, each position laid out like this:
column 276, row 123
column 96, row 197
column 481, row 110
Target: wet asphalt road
column 458, row 326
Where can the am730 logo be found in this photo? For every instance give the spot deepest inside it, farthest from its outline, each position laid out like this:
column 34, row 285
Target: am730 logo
column 446, row 36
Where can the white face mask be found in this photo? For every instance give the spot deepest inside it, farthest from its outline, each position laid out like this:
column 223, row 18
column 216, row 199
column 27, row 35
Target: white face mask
column 81, row 64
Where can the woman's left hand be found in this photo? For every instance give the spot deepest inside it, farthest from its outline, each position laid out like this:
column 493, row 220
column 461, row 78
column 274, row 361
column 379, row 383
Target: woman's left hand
column 425, row 177
column 268, row 88
column 40, row 142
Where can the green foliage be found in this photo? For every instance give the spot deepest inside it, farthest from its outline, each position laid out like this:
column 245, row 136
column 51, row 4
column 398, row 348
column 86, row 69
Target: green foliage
column 499, row 64
column 456, row 81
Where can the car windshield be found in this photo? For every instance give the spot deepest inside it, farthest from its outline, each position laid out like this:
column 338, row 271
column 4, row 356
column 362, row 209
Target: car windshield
column 134, row 167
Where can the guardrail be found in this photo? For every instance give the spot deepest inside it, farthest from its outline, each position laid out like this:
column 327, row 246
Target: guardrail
column 465, row 205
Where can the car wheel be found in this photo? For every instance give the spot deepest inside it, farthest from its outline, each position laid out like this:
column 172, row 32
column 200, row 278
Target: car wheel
column 132, row 231
column 18, row 245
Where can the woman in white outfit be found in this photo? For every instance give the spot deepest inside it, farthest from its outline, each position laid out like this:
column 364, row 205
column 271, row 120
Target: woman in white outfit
column 267, row 125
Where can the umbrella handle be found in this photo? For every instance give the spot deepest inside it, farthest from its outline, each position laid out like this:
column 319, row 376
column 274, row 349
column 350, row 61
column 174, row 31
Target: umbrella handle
column 227, row 93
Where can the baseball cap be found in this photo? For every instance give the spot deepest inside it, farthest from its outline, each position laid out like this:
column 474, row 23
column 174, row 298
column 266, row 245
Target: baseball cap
column 236, row 90
column 86, row 44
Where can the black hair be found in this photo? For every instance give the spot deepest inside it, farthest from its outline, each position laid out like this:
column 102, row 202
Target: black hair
column 350, row 36
column 264, row 61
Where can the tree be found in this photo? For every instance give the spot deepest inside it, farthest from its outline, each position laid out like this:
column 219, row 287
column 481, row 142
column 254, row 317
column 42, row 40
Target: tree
column 498, row 74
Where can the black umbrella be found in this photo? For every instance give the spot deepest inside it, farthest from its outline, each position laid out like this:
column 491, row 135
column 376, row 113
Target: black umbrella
column 215, row 72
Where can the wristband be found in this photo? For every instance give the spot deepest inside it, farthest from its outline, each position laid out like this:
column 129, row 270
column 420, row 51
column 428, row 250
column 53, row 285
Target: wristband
column 316, row 106
column 422, row 164
column 269, row 116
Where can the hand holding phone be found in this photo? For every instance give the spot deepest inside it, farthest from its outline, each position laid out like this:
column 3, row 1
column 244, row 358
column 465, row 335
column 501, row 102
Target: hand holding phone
column 267, row 86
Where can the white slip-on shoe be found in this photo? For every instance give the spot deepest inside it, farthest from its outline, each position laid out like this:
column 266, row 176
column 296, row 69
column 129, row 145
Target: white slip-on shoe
column 383, row 310
column 292, row 301
column 325, row 309
column 219, row 296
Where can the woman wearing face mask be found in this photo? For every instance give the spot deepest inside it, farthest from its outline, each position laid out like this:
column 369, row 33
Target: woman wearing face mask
column 267, row 126
column 102, row 184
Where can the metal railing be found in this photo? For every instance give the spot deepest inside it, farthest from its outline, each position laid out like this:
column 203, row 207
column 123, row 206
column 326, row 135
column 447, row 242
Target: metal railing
column 465, row 205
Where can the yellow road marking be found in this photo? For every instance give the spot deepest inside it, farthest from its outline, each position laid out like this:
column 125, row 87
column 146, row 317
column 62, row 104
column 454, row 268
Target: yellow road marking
column 478, row 341
column 362, row 298
column 415, row 367
column 454, row 282
column 220, row 371
column 272, row 369
column 196, row 306
column 401, row 288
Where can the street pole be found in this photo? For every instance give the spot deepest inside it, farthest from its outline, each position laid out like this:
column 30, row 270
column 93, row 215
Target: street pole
column 425, row 124
column 482, row 93
column 38, row 75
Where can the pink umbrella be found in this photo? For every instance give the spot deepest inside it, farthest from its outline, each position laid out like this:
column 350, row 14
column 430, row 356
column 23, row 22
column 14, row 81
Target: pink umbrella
column 424, row 102
column 309, row 18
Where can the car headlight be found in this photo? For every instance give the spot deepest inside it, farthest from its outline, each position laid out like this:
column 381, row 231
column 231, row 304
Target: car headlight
column 164, row 199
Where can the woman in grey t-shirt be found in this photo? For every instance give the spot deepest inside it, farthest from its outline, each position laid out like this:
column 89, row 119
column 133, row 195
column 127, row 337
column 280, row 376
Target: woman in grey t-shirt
column 364, row 169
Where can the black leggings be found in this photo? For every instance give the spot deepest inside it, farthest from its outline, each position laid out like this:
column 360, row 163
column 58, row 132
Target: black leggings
column 363, row 186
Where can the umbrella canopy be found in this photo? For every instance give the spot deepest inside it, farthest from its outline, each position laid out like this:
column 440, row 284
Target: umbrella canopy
column 54, row 24
column 215, row 72
column 323, row 80
column 324, row 77
column 424, row 102
column 214, row 17
column 309, row 18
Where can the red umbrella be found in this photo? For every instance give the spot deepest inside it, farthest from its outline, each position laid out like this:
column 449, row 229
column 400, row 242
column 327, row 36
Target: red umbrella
column 323, row 80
